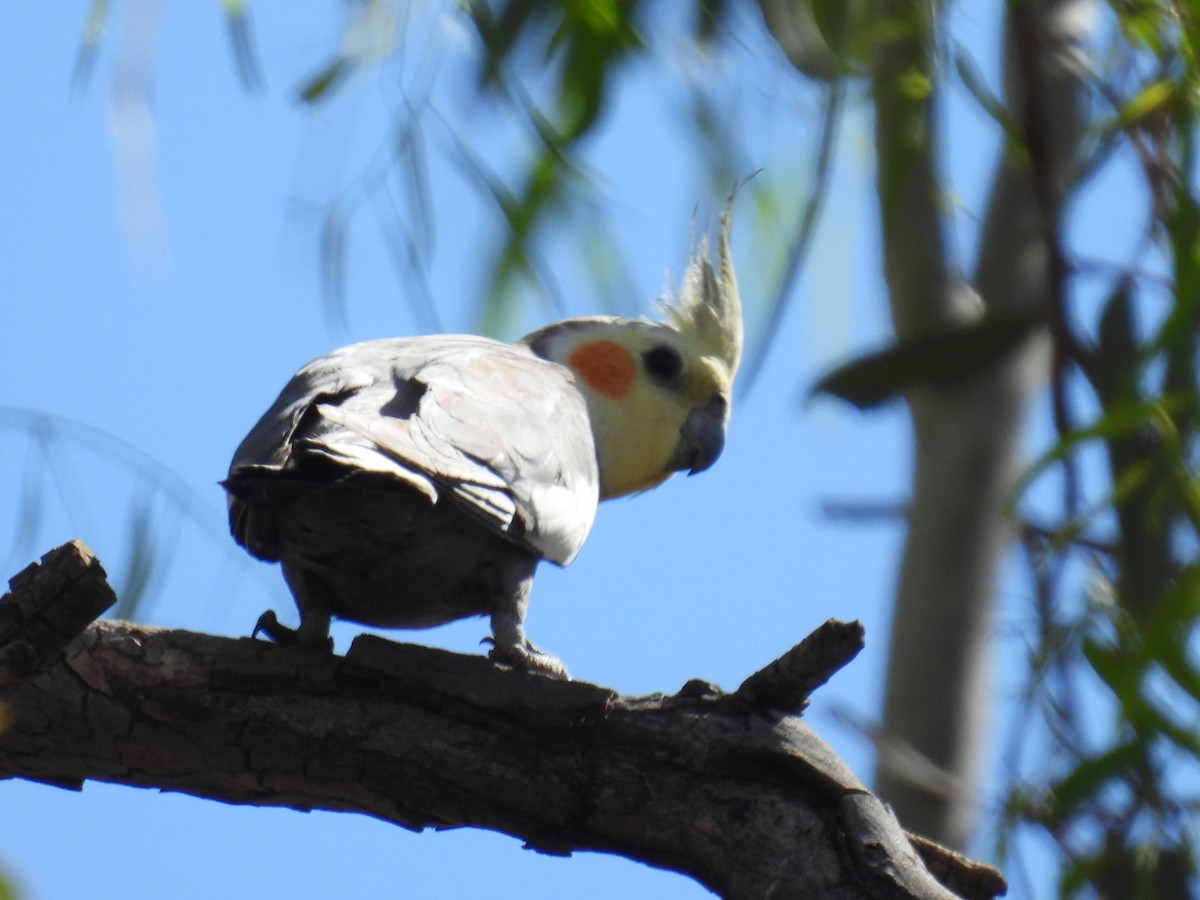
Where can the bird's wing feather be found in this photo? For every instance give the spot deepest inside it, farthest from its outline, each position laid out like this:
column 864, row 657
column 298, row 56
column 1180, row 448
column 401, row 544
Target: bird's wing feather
column 487, row 426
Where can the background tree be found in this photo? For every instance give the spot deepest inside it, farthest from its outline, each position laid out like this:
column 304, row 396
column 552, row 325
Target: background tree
column 1122, row 368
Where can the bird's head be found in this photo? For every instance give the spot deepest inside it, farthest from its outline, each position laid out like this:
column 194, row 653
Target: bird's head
column 658, row 393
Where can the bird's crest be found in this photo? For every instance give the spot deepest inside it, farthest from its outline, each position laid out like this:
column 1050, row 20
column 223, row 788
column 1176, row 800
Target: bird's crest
column 706, row 309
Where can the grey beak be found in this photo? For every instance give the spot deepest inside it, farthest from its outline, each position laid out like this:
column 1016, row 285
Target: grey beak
column 702, row 436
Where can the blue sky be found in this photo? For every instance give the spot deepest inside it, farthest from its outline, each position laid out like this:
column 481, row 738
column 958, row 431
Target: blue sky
column 175, row 345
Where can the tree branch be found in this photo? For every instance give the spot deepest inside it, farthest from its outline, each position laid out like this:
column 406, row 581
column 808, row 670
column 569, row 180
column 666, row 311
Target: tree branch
column 922, row 290
column 747, row 801
column 967, row 435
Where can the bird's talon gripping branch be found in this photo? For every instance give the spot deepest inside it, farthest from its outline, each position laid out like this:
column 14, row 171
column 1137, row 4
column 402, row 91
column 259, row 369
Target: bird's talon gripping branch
column 530, row 659
column 408, row 482
column 278, row 633
column 268, row 623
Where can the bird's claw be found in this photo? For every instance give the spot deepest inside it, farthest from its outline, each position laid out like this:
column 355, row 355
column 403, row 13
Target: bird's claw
column 278, row 633
column 528, row 658
column 268, row 623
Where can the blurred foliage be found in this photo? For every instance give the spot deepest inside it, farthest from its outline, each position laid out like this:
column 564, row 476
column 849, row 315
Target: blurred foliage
column 1114, row 800
column 583, row 45
column 947, row 356
column 94, row 27
column 237, row 20
column 241, row 39
column 151, row 500
column 825, row 39
column 1121, row 802
column 369, row 36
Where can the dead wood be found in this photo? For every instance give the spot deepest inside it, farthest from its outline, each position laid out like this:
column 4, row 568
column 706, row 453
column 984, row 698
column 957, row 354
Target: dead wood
column 725, row 788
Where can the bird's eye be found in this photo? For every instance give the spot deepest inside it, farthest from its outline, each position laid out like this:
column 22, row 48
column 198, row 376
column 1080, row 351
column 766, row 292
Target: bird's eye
column 662, row 362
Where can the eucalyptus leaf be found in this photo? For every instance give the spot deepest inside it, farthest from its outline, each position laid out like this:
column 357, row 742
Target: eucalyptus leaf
column 825, row 40
column 1080, row 786
column 245, row 51
column 941, row 359
column 321, row 85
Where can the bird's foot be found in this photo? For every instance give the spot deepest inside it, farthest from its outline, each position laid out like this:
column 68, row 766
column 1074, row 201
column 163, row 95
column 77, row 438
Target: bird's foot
column 268, row 623
column 528, row 658
column 305, row 636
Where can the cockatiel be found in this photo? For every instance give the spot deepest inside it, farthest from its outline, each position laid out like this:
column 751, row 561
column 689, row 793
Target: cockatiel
column 408, row 482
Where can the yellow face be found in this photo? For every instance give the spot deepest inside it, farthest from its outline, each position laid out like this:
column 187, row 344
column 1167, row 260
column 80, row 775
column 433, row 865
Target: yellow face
column 655, row 407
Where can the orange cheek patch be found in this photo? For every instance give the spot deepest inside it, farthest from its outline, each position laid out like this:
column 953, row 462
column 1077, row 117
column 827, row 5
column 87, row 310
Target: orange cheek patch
column 606, row 366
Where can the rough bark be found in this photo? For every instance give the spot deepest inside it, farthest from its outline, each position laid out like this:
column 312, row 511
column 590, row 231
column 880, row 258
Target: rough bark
column 727, row 788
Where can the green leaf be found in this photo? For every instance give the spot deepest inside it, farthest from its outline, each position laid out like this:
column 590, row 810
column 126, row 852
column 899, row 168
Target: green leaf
column 972, row 79
column 1121, row 420
column 1119, row 669
column 604, row 17
column 1084, row 783
column 95, row 24
column 1168, row 633
column 823, row 39
column 1158, row 723
column 1114, row 374
column 321, row 84
column 237, row 17
column 1151, row 98
column 915, row 84
column 944, row 358
column 1142, row 23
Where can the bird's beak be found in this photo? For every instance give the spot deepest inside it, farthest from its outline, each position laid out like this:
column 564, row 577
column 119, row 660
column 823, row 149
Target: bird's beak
column 702, row 436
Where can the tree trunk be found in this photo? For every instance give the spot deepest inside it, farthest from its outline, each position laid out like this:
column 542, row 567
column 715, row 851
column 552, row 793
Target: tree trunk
column 937, row 705
column 730, row 789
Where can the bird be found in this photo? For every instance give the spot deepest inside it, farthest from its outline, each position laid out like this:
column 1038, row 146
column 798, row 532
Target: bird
column 409, row 482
